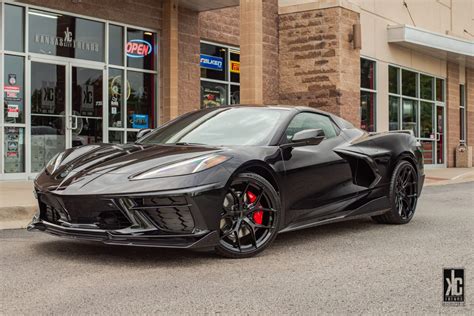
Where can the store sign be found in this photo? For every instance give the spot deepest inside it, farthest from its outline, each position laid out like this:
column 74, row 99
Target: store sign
column 139, row 120
column 138, row 48
column 13, row 110
column 12, row 91
column 66, row 41
column 235, row 67
column 212, row 62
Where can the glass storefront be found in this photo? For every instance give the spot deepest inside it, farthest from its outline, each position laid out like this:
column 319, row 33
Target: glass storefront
column 416, row 102
column 220, row 75
column 64, row 85
column 368, row 94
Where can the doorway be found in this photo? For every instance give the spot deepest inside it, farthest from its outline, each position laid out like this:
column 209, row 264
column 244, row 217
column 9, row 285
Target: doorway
column 66, row 108
column 432, row 136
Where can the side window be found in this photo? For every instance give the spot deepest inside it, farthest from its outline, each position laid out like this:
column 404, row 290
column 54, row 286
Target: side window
column 308, row 120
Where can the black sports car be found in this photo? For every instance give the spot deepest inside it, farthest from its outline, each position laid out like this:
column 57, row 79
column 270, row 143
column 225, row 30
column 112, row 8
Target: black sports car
column 230, row 179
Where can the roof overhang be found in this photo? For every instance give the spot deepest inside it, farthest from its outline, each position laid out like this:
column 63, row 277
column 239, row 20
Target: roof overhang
column 435, row 44
column 200, row 5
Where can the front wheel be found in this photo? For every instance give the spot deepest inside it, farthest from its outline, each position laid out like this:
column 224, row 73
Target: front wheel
column 250, row 217
column 403, row 195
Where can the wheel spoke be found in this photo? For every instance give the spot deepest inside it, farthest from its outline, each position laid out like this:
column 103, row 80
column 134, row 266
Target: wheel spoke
column 228, row 233
column 406, row 178
column 244, row 192
column 259, row 197
column 252, row 233
column 237, row 240
column 400, row 206
column 248, row 221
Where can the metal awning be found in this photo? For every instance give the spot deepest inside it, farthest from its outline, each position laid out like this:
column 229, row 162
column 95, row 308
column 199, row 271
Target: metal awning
column 435, row 44
column 200, row 5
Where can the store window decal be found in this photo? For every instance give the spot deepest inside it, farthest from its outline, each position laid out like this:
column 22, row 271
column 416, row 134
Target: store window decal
column 13, row 89
column 14, row 150
column 66, row 36
column 235, row 67
column 212, row 62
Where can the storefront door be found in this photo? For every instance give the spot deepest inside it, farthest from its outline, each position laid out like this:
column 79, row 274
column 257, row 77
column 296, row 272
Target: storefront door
column 87, row 99
column 432, row 135
column 440, row 136
column 66, row 108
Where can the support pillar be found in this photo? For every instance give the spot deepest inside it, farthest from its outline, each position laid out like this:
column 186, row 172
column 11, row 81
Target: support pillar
column 251, row 52
column 169, row 61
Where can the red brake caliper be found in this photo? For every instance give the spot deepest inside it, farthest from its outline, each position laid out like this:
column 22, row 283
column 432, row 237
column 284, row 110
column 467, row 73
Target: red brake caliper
column 257, row 215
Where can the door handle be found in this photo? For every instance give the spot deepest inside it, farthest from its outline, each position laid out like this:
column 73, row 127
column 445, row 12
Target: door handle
column 75, row 122
column 72, row 122
column 438, row 137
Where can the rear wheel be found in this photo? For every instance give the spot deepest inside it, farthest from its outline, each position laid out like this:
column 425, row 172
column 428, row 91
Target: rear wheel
column 250, row 217
column 403, row 195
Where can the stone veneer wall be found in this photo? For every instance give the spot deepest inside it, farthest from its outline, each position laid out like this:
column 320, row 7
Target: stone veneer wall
column 452, row 112
column 144, row 13
column 318, row 65
column 270, row 52
column 221, row 26
column 188, row 59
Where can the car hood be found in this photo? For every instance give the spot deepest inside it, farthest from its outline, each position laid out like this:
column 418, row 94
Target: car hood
column 125, row 159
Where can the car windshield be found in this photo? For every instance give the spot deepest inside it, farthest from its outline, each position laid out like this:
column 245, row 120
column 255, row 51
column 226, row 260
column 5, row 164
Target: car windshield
column 232, row 126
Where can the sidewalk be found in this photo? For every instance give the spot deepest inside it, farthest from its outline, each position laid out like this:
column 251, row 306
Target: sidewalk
column 17, row 203
column 448, row 176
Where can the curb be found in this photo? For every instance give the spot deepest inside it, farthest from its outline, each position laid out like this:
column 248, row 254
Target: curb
column 13, row 217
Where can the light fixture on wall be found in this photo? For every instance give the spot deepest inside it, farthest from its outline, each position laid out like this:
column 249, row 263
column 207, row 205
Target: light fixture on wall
column 76, row 1
column 356, row 37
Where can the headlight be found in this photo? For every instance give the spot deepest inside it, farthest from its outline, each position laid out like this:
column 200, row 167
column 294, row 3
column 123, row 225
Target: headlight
column 54, row 163
column 183, row 167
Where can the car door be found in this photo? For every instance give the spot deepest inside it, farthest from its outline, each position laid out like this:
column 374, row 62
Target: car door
column 318, row 181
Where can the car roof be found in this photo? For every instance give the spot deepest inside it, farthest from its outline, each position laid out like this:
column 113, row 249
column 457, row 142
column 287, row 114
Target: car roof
column 343, row 124
column 294, row 108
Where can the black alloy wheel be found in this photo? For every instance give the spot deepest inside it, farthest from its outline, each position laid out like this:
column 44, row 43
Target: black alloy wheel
column 250, row 217
column 403, row 195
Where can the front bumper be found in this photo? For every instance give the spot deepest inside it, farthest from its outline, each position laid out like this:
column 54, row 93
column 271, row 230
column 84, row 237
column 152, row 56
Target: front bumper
column 132, row 238
column 186, row 218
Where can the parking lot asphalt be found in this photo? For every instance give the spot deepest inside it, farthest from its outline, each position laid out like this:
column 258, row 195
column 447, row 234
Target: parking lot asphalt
column 350, row 267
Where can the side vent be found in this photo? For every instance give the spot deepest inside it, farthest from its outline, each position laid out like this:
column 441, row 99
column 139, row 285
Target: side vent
column 364, row 170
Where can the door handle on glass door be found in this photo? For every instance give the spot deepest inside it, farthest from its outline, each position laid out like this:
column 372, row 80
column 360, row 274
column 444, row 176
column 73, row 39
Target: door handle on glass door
column 72, row 122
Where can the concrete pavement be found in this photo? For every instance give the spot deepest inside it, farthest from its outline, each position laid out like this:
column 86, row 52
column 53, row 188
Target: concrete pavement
column 355, row 267
column 17, row 203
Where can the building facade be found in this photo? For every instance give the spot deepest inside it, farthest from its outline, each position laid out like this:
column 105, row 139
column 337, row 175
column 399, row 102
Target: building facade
column 85, row 72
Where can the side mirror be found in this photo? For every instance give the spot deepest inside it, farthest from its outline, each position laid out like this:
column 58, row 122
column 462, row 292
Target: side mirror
column 143, row 132
column 307, row 137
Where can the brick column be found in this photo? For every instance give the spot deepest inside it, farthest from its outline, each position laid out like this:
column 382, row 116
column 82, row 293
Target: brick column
column 270, row 52
column 318, row 65
column 452, row 113
column 189, row 85
column 470, row 107
column 251, row 52
column 169, row 61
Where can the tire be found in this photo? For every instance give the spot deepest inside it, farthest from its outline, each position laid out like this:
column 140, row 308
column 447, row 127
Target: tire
column 249, row 220
column 403, row 195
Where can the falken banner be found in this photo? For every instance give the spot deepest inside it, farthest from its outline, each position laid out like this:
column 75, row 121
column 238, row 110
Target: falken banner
column 212, row 62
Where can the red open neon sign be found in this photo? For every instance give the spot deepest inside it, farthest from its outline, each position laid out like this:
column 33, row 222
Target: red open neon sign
column 138, row 48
